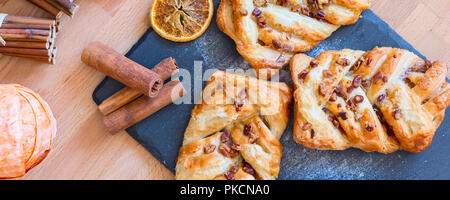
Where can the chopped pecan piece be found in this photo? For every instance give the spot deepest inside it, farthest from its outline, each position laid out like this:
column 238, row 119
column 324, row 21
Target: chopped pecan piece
column 257, row 12
column 343, row 61
column 356, row 81
column 350, row 89
column 343, row 115
column 224, row 149
column 334, row 120
column 277, row 44
column 333, row 97
column 262, row 22
column 365, row 83
column 229, row 176
column 234, row 169
column 397, row 114
column 381, row 98
column 352, row 105
column 320, row 14
column 260, row 42
column 313, row 133
column 322, row 89
column 369, row 127
column 369, row 61
column 236, row 147
column 378, row 76
column 247, row 129
column 248, row 169
column 238, row 106
column 357, row 65
column 358, row 98
column 340, row 92
column 305, row 10
column 302, row 75
column 314, row 63
column 209, row 148
column 282, row 2
column 260, row 3
column 330, row 118
column 296, row 8
column 225, row 136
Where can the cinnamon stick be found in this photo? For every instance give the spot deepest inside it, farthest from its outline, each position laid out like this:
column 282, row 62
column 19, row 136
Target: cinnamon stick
column 47, row 7
column 165, row 69
column 38, row 58
column 56, row 7
column 143, row 107
column 28, row 37
column 25, row 37
column 12, row 19
column 119, row 99
column 27, row 26
column 28, row 44
column 29, row 32
column 64, row 5
column 122, row 69
column 25, row 51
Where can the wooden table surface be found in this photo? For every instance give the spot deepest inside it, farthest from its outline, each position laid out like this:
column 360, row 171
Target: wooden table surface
column 82, row 148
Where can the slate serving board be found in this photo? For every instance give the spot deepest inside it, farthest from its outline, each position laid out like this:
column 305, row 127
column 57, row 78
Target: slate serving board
column 162, row 133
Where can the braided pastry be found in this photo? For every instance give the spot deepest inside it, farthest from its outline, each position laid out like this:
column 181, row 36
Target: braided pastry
column 383, row 100
column 267, row 33
column 234, row 133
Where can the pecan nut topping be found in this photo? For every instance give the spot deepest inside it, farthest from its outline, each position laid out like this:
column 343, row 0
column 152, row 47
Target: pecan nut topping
column 229, row 176
column 248, row 169
column 225, row 136
column 209, row 148
column 397, row 114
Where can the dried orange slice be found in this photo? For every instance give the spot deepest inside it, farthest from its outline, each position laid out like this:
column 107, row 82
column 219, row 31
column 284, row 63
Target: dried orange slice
column 181, row 20
column 27, row 128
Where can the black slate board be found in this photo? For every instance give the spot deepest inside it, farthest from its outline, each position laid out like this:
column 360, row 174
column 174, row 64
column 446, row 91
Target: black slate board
column 162, row 133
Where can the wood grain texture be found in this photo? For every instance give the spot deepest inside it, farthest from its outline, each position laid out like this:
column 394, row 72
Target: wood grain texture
column 83, row 149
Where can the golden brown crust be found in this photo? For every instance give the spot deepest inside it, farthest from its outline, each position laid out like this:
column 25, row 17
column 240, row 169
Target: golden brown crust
column 268, row 40
column 252, row 113
column 382, row 100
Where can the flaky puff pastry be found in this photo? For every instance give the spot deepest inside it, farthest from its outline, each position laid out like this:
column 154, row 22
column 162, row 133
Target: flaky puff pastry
column 268, row 33
column 234, row 132
column 383, row 100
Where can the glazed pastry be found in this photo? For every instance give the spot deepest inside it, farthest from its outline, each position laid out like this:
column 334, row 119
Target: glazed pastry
column 383, row 100
column 267, row 33
column 234, row 133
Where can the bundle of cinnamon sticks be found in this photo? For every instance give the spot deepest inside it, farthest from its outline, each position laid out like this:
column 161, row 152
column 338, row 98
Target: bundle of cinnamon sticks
column 144, row 94
column 57, row 7
column 28, row 37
